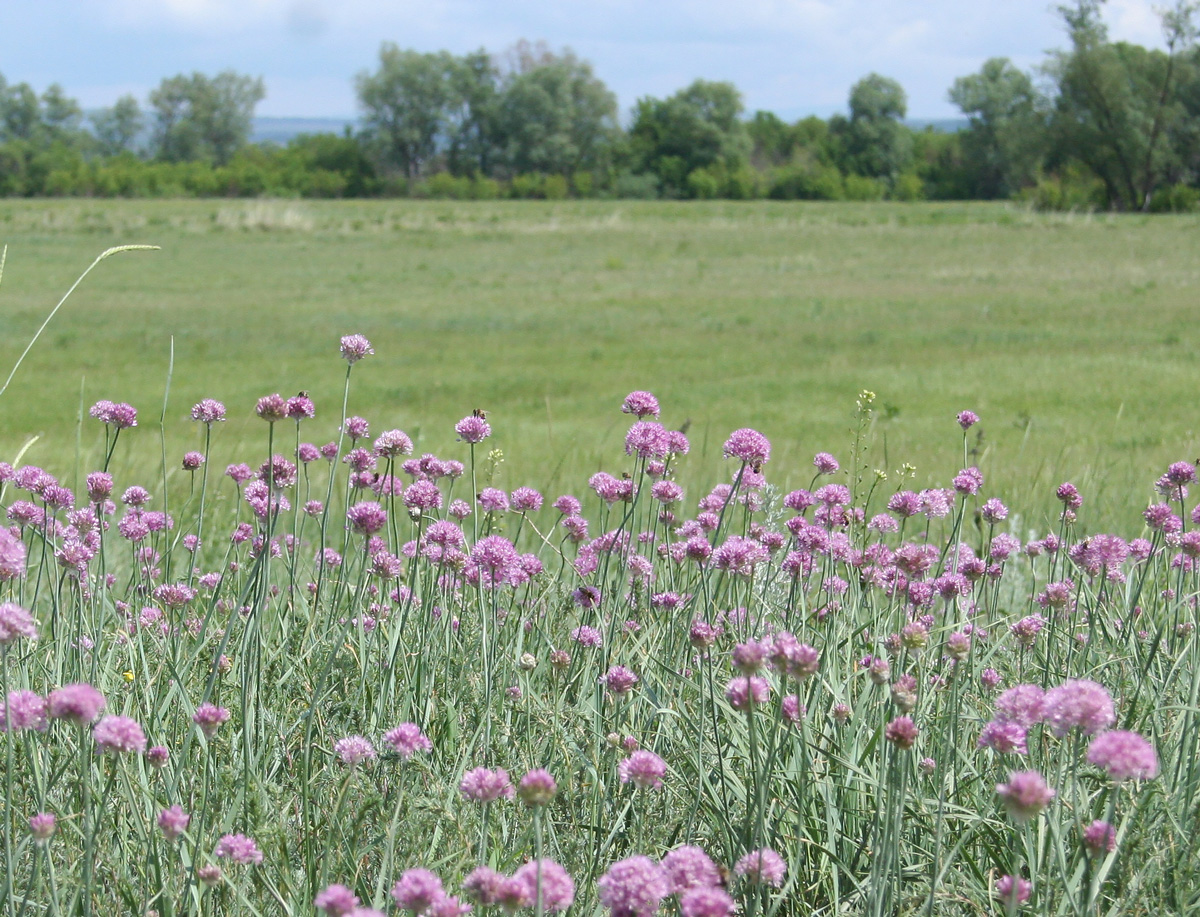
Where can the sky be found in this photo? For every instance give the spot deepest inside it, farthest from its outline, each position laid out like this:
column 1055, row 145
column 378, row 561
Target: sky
column 793, row 57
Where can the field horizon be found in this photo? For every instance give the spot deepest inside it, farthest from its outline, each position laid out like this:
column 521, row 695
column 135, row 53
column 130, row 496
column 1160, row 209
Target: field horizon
column 1068, row 334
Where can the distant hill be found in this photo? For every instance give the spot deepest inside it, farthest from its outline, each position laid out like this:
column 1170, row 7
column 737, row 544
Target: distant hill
column 281, row 130
column 940, row 125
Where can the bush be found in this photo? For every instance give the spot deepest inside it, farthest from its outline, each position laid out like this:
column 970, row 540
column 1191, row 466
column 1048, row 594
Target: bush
column 861, row 188
column 808, row 181
column 703, row 184
column 527, row 186
column 1177, row 198
column 640, row 187
column 1074, row 189
column 484, row 188
column 908, row 187
column 584, row 184
column 554, row 188
column 743, row 184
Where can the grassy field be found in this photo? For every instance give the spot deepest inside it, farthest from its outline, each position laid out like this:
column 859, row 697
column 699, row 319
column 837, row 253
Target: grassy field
column 1072, row 336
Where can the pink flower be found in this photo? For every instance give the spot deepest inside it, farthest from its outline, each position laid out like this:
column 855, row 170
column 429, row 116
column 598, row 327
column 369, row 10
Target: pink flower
column 118, row 734
column 762, row 867
column 1123, row 755
column 1100, row 837
column 353, row 750
column 336, row 901
column 41, row 826
column 643, row 769
column 690, row 867
column 417, row 890
column 210, row 717
column 558, row 889
column 1025, row 794
column 173, row 822
column 473, row 429
column 354, row 347
column 746, row 692
column 483, row 785
column 1013, row 890
column 537, row 788
column 749, row 446
column 23, row 710
column 901, row 732
column 640, row 404
column 15, row 622
column 208, row 411
column 407, row 739
column 239, row 848
column 620, row 680
column 633, row 887
column 706, row 901
column 1079, row 704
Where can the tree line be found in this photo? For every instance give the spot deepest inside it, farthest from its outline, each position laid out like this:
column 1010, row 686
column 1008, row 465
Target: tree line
column 1099, row 124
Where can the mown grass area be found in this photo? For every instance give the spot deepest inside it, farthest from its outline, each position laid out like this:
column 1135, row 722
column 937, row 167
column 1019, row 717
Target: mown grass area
column 1071, row 335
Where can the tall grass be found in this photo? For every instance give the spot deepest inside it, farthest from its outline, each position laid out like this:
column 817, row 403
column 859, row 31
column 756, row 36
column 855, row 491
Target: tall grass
column 338, row 665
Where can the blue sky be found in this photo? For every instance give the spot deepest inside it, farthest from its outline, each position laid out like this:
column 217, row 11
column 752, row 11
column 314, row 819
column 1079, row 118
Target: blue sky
column 794, row 57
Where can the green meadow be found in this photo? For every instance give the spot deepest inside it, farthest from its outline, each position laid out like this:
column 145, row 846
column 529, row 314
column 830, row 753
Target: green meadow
column 1072, row 336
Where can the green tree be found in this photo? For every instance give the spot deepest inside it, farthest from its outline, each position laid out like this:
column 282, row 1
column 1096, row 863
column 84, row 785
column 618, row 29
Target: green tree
column 877, row 144
column 199, row 117
column 1007, row 138
column 699, row 127
column 406, row 105
column 471, row 123
column 1118, row 105
column 553, row 114
column 117, row 129
column 20, row 113
column 61, row 117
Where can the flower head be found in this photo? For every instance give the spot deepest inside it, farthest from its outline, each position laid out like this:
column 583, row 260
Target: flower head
column 354, row 347
column 12, row 556
column 1013, row 890
column 15, row 622
column 558, row 889
column 901, row 732
column 407, row 739
column 1123, row 755
column 239, row 849
column 748, row 445
column 633, row 887
column 643, row 769
column 537, row 788
column 417, row 890
column 762, row 867
column 1025, row 794
column 706, row 901
column 1079, row 704
column 353, row 750
column 173, row 822
column 473, row 429
column 1100, row 837
column 640, row 404
column 41, row 826
column 23, row 710
column 79, row 703
column 118, row 734
column 210, row 717
column 208, row 411
column 336, row 901
column 483, row 785
column 690, row 867
column 272, row 408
